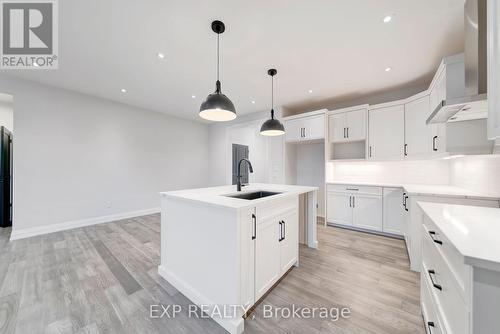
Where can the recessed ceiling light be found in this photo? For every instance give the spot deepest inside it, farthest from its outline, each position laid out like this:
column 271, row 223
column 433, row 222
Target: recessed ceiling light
column 387, row 69
column 161, row 55
column 123, row 90
column 387, row 19
column 193, row 96
column 253, row 102
column 310, row 91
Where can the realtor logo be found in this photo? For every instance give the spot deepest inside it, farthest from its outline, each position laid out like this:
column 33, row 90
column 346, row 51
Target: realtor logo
column 29, row 34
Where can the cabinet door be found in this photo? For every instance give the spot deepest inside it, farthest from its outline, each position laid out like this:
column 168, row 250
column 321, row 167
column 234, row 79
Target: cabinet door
column 386, row 132
column 356, row 125
column 314, row 127
column 418, row 135
column 339, row 209
column 394, row 212
column 293, row 130
column 267, row 256
column 493, row 33
column 337, row 126
column 438, row 92
column 367, row 212
column 289, row 245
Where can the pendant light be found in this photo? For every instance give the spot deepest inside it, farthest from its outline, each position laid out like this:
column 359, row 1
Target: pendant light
column 272, row 127
column 217, row 107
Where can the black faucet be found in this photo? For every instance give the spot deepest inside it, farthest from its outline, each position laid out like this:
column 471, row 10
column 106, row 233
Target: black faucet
column 238, row 176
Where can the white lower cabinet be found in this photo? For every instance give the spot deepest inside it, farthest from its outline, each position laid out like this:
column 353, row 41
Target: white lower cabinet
column 367, row 211
column 276, row 243
column 339, row 210
column 355, row 206
column 394, row 211
column 267, row 256
column 289, row 236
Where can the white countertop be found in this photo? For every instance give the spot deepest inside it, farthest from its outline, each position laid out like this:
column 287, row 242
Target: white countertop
column 425, row 189
column 215, row 195
column 473, row 230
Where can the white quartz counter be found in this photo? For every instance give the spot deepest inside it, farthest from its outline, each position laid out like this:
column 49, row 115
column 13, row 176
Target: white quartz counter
column 215, row 195
column 425, row 189
column 474, row 231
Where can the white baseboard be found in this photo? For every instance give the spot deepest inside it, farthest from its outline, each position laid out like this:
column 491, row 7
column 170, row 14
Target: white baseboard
column 232, row 325
column 33, row 231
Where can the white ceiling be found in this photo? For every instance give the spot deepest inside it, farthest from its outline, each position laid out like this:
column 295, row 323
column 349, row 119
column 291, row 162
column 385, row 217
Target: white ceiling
column 333, row 47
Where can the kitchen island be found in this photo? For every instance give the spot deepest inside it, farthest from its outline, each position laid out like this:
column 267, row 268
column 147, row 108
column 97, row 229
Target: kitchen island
column 225, row 249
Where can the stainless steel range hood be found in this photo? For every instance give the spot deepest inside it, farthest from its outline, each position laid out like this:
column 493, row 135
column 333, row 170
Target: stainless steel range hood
column 474, row 105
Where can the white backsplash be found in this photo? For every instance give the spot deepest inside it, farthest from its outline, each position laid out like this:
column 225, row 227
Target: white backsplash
column 418, row 172
column 477, row 173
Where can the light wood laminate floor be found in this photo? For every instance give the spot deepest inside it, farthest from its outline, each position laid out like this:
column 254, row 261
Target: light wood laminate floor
column 103, row 279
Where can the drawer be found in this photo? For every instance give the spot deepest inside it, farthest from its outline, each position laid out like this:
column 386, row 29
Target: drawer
column 432, row 322
column 459, row 270
column 277, row 207
column 445, row 291
column 354, row 189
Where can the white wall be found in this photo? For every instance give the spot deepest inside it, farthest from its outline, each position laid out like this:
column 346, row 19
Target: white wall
column 78, row 157
column 265, row 153
column 6, row 116
column 311, row 170
column 477, row 173
column 419, row 171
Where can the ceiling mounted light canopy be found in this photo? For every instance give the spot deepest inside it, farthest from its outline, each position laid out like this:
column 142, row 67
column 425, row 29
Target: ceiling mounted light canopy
column 272, row 127
column 217, row 107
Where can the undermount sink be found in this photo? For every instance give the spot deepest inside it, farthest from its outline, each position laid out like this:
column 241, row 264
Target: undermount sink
column 253, row 195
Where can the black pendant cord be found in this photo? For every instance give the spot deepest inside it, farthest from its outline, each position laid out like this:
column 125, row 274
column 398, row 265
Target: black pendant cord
column 272, row 97
column 217, row 84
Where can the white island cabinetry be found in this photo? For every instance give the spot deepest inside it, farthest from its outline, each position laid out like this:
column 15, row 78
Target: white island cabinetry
column 225, row 253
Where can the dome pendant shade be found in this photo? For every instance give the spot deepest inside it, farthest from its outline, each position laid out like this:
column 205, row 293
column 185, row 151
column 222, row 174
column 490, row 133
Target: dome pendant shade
column 272, row 127
column 217, row 107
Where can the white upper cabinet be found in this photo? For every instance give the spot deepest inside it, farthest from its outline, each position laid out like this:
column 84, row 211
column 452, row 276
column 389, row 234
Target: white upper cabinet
column 419, row 137
column 493, row 69
column 336, row 126
column 347, row 126
column 305, row 128
column 386, row 132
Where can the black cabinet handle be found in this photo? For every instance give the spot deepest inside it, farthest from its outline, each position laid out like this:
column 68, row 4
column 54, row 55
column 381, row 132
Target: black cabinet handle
column 350, row 201
column 406, row 150
column 434, row 284
column 347, row 132
column 406, row 206
column 370, row 151
column 429, row 325
column 304, row 132
column 254, row 233
column 432, row 234
column 353, row 201
column 281, row 231
column 353, row 189
column 284, row 230
column 404, row 200
column 434, row 145
column 344, row 132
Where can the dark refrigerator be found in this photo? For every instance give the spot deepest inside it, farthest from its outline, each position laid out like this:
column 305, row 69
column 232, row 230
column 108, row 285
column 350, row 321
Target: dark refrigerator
column 5, row 177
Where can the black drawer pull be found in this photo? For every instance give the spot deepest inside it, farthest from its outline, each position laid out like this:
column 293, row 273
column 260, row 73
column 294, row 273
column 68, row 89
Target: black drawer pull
column 431, row 275
column 352, row 189
column 284, row 230
column 429, row 325
column 434, row 145
column 281, row 231
column 432, row 234
column 254, row 233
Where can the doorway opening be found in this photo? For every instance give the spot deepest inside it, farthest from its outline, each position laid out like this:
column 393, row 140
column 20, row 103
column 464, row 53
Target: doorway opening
column 6, row 153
